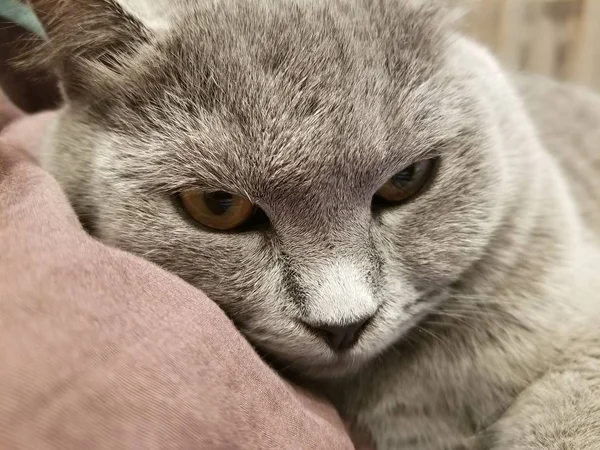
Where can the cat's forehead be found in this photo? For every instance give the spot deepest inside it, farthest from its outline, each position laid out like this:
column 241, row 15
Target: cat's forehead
column 302, row 91
column 265, row 57
column 296, row 40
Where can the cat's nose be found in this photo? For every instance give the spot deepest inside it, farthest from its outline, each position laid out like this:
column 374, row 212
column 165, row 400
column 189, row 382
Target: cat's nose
column 342, row 337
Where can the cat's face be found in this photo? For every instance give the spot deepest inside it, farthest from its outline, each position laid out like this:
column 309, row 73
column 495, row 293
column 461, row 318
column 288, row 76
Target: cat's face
column 306, row 109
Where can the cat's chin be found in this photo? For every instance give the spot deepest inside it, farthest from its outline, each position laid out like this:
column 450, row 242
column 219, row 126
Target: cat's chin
column 339, row 366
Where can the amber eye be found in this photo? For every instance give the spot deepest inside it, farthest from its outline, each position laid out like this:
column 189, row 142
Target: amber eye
column 407, row 183
column 218, row 210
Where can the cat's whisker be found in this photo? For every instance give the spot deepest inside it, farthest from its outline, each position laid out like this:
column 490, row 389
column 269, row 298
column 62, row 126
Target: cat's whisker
column 439, row 339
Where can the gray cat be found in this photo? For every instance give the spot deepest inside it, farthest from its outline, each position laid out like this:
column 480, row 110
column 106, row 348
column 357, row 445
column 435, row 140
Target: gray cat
column 378, row 206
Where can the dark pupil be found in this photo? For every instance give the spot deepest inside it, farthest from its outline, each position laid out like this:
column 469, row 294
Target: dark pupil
column 218, row 202
column 401, row 179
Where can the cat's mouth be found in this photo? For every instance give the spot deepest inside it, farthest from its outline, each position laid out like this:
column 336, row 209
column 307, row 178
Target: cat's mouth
column 316, row 360
column 309, row 355
column 344, row 337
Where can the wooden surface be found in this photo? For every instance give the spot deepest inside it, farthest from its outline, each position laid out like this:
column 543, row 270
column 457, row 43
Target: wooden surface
column 559, row 38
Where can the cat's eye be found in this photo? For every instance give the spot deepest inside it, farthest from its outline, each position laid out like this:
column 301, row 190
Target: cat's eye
column 218, row 210
column 407, row 183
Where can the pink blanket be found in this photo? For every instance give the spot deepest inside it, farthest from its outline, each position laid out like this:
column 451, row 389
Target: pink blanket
column 100, row 349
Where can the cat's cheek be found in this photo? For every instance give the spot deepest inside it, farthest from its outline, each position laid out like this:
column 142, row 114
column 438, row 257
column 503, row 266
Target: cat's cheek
column 433, row 246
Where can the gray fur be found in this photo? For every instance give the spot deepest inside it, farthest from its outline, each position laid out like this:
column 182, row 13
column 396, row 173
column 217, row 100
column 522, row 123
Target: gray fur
column 484, row 288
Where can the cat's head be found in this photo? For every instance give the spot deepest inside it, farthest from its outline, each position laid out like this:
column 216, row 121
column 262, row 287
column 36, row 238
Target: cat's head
column 323, row 170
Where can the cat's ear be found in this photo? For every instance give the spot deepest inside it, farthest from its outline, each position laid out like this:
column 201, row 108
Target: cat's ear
column 92, row 44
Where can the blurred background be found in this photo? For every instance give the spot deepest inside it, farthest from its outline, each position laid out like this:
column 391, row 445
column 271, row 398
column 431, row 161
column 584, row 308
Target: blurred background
column 557, row 38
